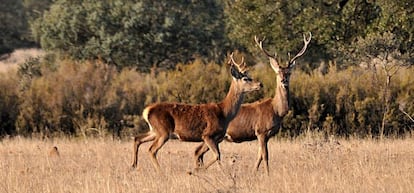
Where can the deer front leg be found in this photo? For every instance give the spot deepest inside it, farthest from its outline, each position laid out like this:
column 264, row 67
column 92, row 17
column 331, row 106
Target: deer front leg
column 259, row 157
column 262, row 153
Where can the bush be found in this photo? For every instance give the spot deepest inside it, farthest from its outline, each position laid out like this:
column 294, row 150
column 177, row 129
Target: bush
column 139, row 33
column 95, row 99
column 348, row 102
column 92, row 98
column 8, row 103
column 194, row 83
column 86, row 98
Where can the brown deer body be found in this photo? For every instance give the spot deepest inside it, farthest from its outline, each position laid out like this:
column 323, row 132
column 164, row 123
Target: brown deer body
column 204, row 122
column 261, row 120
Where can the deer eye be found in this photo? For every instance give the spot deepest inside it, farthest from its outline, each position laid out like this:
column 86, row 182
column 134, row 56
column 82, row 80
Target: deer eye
column 246, row 79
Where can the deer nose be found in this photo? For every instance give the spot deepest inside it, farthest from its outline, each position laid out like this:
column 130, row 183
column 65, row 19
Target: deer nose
column 261, row 85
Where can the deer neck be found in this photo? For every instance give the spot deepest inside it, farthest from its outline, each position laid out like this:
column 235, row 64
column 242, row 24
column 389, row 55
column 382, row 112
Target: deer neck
column 280, row 101
column 232, row 102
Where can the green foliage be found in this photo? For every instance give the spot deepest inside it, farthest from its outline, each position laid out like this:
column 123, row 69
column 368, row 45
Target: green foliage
column 35, row 8
column 139, row 33
column 335, row 25
column 381, row 46
column 397, row 17
column 282, row 23
column 145, row 33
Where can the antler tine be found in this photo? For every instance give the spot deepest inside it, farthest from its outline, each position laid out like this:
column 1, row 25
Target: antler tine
column 240, row 66
column 232, row 59
column 260, row 44
column 305, row 46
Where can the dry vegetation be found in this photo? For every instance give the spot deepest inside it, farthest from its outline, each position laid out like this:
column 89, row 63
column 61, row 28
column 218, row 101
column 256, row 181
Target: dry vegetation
column 303, row 165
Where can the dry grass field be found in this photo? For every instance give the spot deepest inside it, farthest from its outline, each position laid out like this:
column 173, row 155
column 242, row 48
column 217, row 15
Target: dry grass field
column 303, row 165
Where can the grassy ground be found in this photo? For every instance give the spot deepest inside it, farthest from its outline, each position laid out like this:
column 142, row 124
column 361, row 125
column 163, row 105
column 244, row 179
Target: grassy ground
column 305, row 165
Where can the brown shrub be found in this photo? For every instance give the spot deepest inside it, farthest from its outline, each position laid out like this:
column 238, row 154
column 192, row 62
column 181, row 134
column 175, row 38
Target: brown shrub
column 94, row 99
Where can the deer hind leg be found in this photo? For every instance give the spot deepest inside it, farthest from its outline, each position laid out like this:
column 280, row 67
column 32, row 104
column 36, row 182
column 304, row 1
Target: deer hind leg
column 199, row 154
column 213, row 145
column 149, row 136
column 156, row 145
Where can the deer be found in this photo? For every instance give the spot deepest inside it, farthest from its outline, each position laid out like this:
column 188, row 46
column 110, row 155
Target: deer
column 205, row 123
column 262, row 119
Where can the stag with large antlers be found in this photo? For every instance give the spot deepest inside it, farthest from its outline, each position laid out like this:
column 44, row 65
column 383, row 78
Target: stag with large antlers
column 262, row 119
column 205, row 123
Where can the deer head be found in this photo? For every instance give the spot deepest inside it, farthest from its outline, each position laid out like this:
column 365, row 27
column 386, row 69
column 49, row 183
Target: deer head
column 283, row 73
column 241, row 77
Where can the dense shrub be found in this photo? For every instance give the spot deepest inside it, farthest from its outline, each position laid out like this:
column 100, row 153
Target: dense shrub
column 349, row 102
column 72, row 100
column 95, row 99
column 92, row 98
column 8, row 103
column 195, row 83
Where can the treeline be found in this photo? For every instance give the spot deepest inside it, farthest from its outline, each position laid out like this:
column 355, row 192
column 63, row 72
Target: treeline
column 95, row 99
column 145, row 33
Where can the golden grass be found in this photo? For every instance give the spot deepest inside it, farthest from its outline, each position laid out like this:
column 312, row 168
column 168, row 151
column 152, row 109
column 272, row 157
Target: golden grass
column 306, row 165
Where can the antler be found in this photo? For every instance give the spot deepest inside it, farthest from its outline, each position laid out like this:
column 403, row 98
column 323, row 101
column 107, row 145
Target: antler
column 260, row 44
column 273, row 59
column 306, row 41
column 241, row 66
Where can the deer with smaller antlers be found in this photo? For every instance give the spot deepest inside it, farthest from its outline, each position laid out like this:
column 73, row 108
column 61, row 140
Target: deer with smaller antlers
column 205, row 123
column 262, row 119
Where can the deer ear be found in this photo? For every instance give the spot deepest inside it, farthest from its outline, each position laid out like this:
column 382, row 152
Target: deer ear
column 235, row 73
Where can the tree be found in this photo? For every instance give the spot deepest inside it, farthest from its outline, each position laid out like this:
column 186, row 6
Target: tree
column 282, row 22
column 383, row 52
column 35, row 8
column 387, row 18
column 13, row 26
column 15, row 16
column 335, row 25
column 140, row 33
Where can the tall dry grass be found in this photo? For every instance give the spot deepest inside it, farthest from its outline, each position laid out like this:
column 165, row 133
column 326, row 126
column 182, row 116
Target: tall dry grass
column 302, row 165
